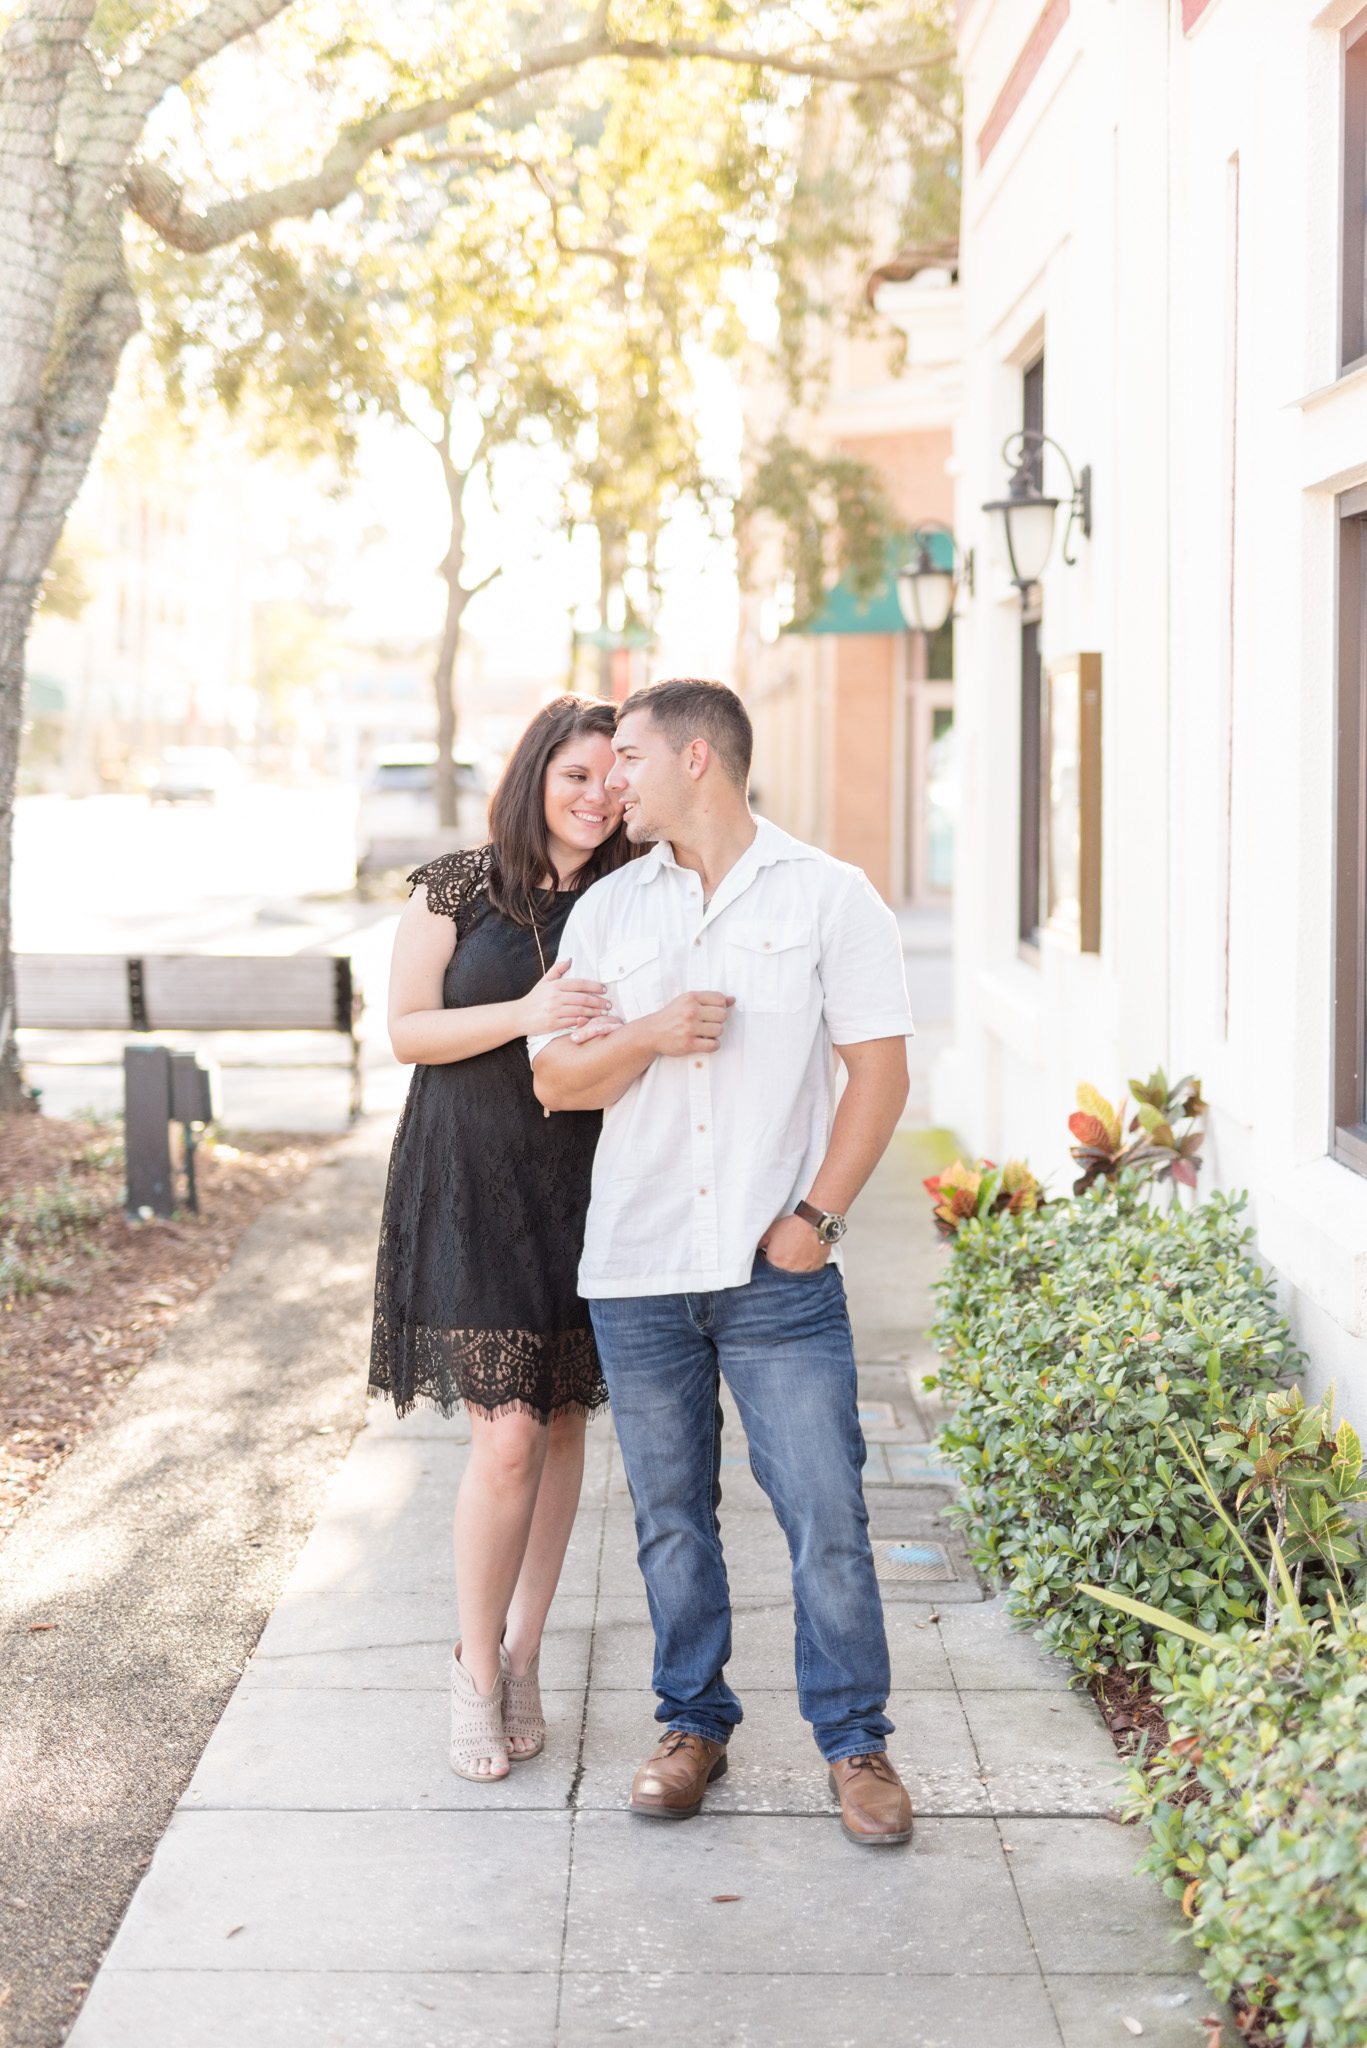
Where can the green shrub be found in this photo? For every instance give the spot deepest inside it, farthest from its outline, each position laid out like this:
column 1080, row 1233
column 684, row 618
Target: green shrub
column 37, row 1221
column 1074, row 1338
column 1259, row 1818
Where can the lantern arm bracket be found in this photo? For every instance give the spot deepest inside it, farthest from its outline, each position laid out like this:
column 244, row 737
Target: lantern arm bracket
column 1028, row 444
column 962, row 565
column 957, row 573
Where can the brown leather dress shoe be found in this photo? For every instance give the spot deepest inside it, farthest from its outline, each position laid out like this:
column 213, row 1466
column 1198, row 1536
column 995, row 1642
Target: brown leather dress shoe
column 875, row 1807
column 671, row 1782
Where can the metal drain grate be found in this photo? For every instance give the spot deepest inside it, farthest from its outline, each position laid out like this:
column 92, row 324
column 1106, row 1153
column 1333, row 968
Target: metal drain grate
column 911, row 1560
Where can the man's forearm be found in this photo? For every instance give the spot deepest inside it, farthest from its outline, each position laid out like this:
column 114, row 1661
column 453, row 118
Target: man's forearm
column 865, row 1119
column 593, row 1075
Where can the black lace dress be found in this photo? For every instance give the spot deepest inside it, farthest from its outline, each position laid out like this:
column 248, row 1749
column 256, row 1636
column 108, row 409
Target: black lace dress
column 475, row 1290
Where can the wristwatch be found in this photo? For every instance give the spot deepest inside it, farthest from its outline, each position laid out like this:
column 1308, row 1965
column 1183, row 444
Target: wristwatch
column 829, row 1227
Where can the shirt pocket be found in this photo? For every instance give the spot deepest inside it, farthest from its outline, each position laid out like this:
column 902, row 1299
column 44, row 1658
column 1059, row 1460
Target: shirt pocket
column 769, row 964
column 631, row 973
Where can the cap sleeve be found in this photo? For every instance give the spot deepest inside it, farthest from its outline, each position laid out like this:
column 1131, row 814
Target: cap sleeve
column 456, row 883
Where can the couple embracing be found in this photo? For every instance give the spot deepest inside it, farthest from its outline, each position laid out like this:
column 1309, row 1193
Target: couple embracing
column 618, row 1174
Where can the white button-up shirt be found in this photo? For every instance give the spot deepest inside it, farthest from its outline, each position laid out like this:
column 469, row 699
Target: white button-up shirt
column 703, row 1152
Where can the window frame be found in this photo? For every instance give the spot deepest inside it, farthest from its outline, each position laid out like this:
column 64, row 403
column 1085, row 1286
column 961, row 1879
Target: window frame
column 1081, row 930
column 1030, row 860
column 1348, row 1131
column 1031, row 784
column 1353, row 216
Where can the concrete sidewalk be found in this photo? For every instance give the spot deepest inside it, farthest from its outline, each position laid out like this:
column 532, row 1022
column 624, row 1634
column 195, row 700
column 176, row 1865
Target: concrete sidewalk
column 136, row 1583
column 326, row 1879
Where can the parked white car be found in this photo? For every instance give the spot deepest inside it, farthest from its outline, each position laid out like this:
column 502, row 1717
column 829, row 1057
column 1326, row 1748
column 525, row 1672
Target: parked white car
column 193, row 775
column 396, row 819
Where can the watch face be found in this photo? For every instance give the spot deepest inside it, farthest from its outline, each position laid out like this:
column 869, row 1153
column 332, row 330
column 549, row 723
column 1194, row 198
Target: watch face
column 831, row 1229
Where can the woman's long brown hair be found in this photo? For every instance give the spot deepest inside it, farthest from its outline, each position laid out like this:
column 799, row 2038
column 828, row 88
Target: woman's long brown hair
column 517, row 815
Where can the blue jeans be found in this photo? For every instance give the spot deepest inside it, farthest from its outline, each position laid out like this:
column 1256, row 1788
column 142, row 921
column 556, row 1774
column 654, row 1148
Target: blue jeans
column 783, row 1345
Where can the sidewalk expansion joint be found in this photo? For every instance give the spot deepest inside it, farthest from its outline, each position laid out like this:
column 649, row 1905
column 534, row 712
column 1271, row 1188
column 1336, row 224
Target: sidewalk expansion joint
column 572, row 1796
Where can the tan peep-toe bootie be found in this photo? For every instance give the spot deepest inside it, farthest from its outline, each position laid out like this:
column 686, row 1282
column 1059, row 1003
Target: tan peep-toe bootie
column 476, row 1726
column 522, row 1716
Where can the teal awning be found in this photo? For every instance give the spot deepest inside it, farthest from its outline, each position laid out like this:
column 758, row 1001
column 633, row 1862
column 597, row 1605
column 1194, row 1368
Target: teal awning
column 603, row 636
column 845, row 612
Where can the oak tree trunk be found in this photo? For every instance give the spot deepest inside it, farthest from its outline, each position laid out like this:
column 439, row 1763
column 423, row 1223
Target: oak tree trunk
column 66, row 311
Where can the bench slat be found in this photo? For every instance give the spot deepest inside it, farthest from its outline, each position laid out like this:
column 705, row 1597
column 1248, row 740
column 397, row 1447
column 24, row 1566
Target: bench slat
column 71, row 991
column 183, row 992
column 209, row 992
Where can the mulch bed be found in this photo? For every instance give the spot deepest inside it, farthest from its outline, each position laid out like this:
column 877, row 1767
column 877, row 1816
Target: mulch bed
column 1135, row 1720
column 104, row 1291
column 1130, row 1711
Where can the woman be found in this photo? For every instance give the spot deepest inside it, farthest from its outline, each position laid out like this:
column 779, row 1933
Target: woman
column 475, row 1292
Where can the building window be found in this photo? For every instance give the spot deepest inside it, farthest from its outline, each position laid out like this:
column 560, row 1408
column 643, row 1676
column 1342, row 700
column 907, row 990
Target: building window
column 1032, row 701
column 1071, row 800
column 1354, row 261
column 1350, row 839
column 1031, row 765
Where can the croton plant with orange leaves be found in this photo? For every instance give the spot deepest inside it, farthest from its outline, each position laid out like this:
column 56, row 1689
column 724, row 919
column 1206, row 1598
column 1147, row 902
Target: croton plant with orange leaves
column 1154, row 1146
column 982, row 1190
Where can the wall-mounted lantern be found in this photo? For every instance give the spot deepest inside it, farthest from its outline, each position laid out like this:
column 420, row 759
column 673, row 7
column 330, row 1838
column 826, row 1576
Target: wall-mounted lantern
column 1028, row 515
column 928, row 584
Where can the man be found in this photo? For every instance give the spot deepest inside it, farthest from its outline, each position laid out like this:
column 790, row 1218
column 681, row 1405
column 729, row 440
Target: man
column 736, row 958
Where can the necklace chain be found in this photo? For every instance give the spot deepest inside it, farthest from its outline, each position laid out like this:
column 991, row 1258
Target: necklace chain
column 542, row 958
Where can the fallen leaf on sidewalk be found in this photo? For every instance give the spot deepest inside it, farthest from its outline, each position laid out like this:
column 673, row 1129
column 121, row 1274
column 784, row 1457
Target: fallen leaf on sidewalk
column 1217, row 2032
column 1188, row 1897
column 235, row 1930
column 932, row 1617
column 725, row 1898
column 36, row 1628
column 22, row 1904
column 1131, row 2026
column 426, row 2005
column 4, row 1993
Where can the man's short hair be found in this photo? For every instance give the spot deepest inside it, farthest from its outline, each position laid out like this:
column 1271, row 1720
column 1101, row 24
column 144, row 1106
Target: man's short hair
column 687, row 708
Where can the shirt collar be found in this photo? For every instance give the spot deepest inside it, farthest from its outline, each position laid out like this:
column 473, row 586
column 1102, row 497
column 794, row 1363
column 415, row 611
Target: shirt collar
column 769, row 845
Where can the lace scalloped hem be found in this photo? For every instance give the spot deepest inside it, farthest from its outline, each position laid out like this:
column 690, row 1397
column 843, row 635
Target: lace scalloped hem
column 499, row 1372
column 424, row 1400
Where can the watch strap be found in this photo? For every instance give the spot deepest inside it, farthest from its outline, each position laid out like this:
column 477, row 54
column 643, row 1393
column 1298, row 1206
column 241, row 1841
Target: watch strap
column 829, row 1227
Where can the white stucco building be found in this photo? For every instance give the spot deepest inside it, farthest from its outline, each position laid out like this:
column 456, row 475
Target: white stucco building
column 1162, row 262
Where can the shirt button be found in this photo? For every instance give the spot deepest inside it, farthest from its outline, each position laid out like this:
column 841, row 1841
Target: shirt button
column 697, row 1063
column 702, row 1191
column 702, row 1127
column 697, row 942
column 766, row 945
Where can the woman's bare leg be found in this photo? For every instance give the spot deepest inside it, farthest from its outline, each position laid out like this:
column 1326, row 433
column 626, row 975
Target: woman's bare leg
column 494, row 1513
column 556, row 1500
column 513, row 1518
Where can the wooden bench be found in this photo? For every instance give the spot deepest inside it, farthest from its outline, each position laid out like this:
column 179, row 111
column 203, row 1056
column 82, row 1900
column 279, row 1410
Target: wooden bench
column 191, row 992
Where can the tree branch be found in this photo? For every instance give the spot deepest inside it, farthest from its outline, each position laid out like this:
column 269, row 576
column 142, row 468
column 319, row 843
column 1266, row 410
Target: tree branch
column 888, row 68
column 156, row 197
column 483, row 584
column 113, row 131
column 183, row 49
column 500, row 160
